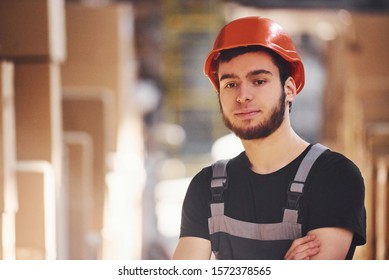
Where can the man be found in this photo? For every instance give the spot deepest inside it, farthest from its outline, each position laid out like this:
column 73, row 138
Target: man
column 282, row 198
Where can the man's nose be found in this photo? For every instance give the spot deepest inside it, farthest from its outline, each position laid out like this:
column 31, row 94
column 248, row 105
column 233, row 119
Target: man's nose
column 244, row 94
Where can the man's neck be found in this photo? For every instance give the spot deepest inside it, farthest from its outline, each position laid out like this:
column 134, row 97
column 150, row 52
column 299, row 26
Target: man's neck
column 272, row 153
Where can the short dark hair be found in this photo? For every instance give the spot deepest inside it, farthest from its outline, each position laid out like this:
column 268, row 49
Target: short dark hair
column 282, row 65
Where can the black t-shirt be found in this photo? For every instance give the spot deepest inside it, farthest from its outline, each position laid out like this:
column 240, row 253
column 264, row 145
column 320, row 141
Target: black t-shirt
column 333, row 196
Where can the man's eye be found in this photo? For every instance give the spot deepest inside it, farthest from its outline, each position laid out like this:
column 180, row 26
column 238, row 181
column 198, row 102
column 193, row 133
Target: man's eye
column 259, row 82
column 230, row 85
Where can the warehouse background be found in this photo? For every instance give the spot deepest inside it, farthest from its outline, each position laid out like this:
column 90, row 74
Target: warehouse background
column 106, row 115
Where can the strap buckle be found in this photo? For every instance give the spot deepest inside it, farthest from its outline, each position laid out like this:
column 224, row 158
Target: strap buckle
column 294, row 194
column 219, row 185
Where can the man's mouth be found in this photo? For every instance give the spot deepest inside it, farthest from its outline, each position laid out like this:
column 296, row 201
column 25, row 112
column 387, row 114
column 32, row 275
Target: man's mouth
column 246, row 113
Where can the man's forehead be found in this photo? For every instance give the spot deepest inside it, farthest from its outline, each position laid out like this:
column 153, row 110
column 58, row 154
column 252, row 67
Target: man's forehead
column 248, row 64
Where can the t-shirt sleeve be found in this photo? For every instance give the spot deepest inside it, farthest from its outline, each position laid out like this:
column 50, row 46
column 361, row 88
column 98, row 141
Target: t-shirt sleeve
column 195, row 209
column 336, row 198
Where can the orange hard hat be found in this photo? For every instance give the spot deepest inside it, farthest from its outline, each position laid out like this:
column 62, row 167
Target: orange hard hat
column 259, row 31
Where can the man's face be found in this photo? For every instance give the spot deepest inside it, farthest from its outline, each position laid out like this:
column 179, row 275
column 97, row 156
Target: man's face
column 251, row 97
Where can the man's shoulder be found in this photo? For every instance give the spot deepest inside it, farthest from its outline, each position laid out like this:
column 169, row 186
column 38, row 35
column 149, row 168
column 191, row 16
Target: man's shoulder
column 333, row 166
column 333, row 160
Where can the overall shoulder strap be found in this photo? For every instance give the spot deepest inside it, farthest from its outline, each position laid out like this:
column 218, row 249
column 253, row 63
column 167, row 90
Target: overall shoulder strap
column 306, row 165
column 296, row 186
column 218, row 185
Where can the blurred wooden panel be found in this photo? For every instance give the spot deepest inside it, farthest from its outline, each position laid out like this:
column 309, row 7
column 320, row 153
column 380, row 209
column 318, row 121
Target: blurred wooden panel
column 89, row 111
column 101, row 51
column 39, row 126
column 36, row 216
column 382, row 209
column 79, row 166
column 8, row 199
column 32, row 30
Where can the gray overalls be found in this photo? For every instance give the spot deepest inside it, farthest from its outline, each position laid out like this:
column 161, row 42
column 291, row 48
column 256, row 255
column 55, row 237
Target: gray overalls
column 235, row 239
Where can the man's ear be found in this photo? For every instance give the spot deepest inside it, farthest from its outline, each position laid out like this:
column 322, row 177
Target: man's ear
column 290, row 89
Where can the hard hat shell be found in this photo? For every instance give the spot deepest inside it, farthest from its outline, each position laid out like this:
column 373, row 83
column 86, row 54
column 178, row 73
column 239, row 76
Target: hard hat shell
column 259, row 31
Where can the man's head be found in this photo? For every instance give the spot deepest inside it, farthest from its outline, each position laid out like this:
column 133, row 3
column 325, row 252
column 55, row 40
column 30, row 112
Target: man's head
column 252, row 96
column 255, row 31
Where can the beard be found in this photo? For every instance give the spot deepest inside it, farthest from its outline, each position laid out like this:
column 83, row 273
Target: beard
column 263, row 129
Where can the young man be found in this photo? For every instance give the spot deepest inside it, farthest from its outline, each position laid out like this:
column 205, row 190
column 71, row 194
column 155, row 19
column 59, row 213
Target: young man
column 282, row 198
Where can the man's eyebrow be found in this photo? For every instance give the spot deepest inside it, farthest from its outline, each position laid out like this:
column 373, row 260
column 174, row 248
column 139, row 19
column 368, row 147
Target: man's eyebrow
column 227, row 76
column 251, row 73
column 258, row 72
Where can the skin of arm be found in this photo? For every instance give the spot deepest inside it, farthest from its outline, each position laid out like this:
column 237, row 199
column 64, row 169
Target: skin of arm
column 195, row 248
column 192, row 248
column 321, row 244
column 318, row 244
